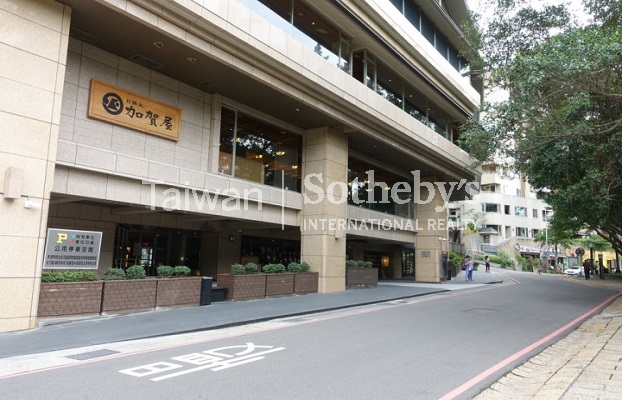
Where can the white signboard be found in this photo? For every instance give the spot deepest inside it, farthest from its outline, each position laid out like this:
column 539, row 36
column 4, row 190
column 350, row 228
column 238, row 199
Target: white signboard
column 70, row 249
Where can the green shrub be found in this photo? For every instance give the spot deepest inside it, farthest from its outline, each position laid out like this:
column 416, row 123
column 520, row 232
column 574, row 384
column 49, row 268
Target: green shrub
column 251, row 268
column 238, row 269
column 135, row 272
column 455, row 259
column 352, row 263
column 304, row 266
column 68, row 276
column 165, row 271
column 360, row 263
column 368, row 264
column 114, row 274
column 294, row 267
column 181, row 270
column 273, row 268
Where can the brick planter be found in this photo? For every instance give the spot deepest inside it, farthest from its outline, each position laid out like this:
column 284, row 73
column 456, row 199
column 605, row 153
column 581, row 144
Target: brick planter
column 359, row 276
column 69, row 298
column 306, row 282
column 178, row 291
column 279, row 284
column 139, row 294
column 243, row 287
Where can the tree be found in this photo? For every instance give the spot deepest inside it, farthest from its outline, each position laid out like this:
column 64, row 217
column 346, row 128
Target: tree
column 561, row 124
column 558, row 238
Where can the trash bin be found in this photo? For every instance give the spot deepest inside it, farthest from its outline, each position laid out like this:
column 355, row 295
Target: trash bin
column 206, row 291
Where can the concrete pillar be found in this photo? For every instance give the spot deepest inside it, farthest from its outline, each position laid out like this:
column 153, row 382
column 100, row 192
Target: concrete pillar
column 431, row 240
column 31, row 76
column 323, row 241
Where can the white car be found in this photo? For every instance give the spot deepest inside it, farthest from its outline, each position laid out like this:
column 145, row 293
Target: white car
column 574, row 270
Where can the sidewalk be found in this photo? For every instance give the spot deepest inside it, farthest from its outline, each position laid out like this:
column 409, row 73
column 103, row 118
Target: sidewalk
column 587, row 364
column 66, row 333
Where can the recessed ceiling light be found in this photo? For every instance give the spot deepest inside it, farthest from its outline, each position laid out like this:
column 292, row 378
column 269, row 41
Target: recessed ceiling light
column 159, row 45
column 191, row 60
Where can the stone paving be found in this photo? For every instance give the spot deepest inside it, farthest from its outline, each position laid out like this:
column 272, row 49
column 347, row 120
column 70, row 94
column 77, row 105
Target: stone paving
column 587, row 364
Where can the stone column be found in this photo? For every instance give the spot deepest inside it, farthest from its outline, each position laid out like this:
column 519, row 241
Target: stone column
column 32, row 78
column 431, row 239
column 325, row 209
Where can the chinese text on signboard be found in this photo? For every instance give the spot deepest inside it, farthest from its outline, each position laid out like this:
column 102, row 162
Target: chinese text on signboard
column 118, row 106
column 69, row 249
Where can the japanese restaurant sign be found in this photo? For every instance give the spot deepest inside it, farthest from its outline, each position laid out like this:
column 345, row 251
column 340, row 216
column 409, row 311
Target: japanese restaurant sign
column 121, row 107
column 70, row 249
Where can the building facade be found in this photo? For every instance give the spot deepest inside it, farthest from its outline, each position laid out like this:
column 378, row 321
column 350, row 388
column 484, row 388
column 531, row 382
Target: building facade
column 206, row 133
column 507, row 213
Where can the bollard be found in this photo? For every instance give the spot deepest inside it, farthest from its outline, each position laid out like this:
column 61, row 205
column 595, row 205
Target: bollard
column 206, row 291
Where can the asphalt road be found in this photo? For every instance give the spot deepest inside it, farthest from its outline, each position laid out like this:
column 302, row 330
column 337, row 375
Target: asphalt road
column 447, row 345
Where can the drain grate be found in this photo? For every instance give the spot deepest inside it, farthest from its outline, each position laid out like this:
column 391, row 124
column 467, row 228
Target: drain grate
column 92, row 354
column 482, row 310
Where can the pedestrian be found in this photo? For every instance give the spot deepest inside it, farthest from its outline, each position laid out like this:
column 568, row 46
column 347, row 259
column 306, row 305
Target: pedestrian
column 587, row 266
column 468, row 268
column 487, row 262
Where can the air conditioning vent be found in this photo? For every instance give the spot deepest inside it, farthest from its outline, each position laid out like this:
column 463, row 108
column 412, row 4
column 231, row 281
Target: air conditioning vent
column 145, row 62
column 83, row 36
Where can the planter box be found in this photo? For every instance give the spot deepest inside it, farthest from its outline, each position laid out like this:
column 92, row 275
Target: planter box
column 306, row 282
column 67, row 298
column 139, row 294
column 243, row 287
column 178, row 291
column 359, row 276
column 279, row 284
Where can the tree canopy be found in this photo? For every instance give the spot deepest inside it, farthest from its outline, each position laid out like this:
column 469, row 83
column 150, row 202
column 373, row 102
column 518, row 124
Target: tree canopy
column 560, row 124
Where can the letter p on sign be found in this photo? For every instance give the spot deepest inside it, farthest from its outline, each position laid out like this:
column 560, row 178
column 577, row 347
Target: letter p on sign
column 60, row 237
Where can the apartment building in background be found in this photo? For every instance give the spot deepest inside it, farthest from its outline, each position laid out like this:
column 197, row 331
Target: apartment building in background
column 187, row 132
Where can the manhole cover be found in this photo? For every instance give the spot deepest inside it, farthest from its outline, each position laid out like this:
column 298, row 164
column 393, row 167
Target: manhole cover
column 93, row 354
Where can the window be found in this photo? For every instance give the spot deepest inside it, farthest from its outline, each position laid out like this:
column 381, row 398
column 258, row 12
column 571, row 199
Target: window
column 520, row 211
column 507, row 209
column 522, row 232
column 535, row 213
column 257, row 151
column 491, row 207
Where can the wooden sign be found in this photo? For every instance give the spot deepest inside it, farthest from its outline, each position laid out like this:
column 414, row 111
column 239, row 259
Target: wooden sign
column 121, row 107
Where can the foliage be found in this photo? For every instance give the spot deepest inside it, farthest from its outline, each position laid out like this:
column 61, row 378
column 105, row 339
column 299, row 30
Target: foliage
column 352, row 263
column 598, row 243
column 273, row 268
column 114, row 274
column 238, row 269
column 135, row 272
column 181, row 270
column 68, row 276
column 455, row 259
column 304, row 266
column 251, row 268
column 477, row 218
column 293, row 267
column 556, row 236
column 165, row 271
column 560, row 125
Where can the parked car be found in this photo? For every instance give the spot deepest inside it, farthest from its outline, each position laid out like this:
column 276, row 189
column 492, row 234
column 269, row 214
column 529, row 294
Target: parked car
column 574, row 270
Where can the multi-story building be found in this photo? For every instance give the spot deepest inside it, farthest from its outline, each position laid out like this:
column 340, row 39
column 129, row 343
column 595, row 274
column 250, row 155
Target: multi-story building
column 207, row 133
column 510, row 215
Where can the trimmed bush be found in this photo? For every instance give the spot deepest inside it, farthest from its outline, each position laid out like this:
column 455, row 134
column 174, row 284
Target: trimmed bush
column 251, row 268
column 181, row 270
column 68, row 276
column 273, row 268
column 135, row 272
column 352, row 263
column 304, row 266
column 361, row 263
column 238, row 269
column 165, row 271
column 114, row 274
column 294, row 267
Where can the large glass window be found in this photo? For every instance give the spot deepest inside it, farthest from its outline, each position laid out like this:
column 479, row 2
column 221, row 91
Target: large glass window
column 520, row 211
column 257, row 151
column 383, row 191
column 491, row 207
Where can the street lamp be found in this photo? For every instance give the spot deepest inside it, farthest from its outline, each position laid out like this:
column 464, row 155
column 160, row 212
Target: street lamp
column 590, row 245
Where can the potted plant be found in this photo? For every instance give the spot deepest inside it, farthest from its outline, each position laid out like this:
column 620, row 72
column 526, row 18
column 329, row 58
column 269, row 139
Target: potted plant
column 361, row 273
column 243, row 283
column 305, row 281
column 132, row 293
column 176, row 287
column 278, row 283
column 70, row 292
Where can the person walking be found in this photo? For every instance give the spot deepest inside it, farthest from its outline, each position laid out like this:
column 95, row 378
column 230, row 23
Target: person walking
column 468, row 268
column 487, row 262
column 587, row 266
